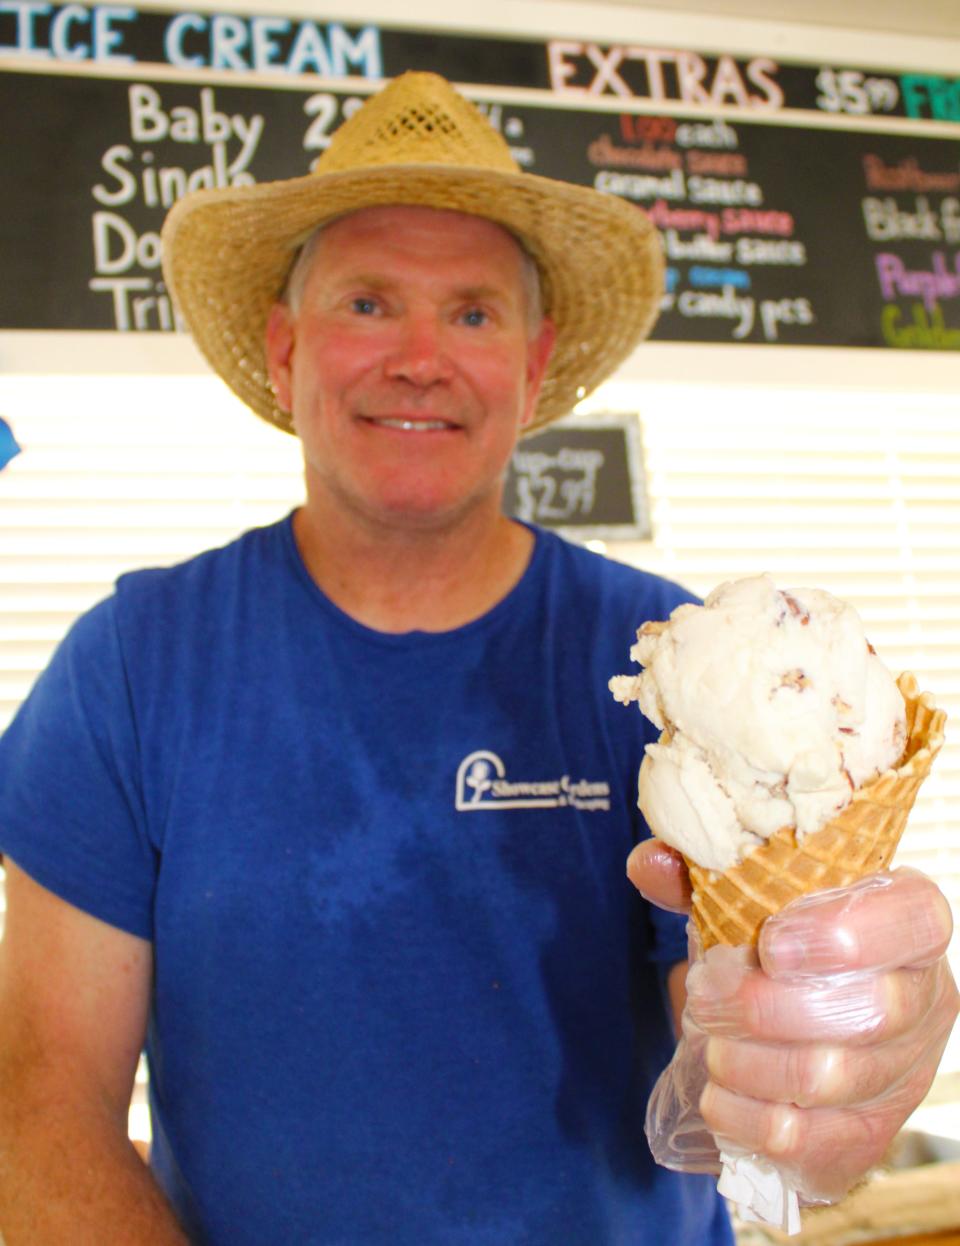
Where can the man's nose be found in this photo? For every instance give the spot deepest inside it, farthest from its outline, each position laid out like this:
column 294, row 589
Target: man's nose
column 420, row 351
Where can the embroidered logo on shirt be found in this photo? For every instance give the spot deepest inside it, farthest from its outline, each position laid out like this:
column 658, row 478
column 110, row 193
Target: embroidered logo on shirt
column 482, row 783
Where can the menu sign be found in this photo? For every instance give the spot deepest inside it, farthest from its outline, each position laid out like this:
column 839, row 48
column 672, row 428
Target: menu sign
column 788, row 235
column 773, row 233
column 581, row 476
column 109, row 35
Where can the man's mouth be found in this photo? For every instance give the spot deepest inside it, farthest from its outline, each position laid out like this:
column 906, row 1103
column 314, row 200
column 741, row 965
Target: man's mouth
column 411, row 426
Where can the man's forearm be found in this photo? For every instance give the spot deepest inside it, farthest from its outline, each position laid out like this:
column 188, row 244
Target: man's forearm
column 70, row 1177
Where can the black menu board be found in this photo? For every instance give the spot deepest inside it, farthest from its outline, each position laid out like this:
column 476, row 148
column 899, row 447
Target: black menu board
column 79, row 37
column 777, row 229
column 583, row 476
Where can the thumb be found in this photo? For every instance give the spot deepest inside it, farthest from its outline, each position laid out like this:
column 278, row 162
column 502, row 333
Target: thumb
column 660, row 875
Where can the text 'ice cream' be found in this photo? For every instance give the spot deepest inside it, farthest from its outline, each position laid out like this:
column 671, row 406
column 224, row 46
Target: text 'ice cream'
column 774, row 708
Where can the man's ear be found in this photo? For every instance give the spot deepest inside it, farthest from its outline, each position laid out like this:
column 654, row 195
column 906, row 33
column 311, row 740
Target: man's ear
column 539, row 350
column 279, row 346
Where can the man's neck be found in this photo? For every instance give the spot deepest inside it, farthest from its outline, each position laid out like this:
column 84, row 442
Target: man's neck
column 411, row 579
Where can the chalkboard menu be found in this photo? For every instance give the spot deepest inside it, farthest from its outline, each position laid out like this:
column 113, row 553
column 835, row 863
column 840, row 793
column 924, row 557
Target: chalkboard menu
column 78, row 37
column 583, row 477
column 778, row 229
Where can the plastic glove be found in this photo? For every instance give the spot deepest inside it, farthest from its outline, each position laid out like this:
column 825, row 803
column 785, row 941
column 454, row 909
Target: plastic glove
column 813, row 1049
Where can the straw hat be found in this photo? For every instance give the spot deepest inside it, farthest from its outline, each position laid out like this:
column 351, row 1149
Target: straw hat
column 227, row 253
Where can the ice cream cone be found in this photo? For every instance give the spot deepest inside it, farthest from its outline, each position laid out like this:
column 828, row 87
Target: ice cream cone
column 730, row 907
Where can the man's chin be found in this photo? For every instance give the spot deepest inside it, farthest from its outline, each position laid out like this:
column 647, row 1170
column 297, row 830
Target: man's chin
column 437, row 513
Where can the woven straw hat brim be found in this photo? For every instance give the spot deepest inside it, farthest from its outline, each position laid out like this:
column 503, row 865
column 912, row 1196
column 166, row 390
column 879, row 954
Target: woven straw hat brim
column 227, row 253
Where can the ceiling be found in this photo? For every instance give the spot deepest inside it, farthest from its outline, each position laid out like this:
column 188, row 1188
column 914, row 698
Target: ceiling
column 931, row 18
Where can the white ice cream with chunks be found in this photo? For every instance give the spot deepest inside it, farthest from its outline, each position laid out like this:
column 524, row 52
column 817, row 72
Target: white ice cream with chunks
column 776, row 709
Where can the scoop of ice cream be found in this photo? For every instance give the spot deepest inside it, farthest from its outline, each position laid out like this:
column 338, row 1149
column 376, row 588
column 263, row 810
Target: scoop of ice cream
column 775, row 709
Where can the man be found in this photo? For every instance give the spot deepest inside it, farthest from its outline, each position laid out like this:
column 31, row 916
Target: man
column 335, row 817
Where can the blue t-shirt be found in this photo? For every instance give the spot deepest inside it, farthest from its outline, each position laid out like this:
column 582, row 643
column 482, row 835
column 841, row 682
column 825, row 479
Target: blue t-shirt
column 403, row 993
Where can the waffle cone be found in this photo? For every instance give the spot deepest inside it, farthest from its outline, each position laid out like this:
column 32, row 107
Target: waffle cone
column 731, row 907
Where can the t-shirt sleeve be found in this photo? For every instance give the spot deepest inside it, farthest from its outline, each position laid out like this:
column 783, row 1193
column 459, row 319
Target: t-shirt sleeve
column 71, row 805
column 666, row 937
column 668, row 941
column 669, row 937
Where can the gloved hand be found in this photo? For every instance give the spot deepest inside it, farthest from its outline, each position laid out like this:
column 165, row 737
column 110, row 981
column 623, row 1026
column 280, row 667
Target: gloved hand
column 812, row 1049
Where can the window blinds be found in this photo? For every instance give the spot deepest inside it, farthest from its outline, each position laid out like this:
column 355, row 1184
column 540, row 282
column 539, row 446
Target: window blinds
column 855, row 490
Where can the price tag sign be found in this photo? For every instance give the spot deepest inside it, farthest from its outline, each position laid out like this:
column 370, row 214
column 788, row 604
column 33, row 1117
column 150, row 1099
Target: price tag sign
column 583, row 477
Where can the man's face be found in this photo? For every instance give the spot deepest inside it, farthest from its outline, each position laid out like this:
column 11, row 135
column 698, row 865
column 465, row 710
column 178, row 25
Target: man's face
column 410, row 366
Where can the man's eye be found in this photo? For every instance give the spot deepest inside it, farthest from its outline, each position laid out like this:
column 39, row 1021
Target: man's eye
column 363, row 306
column 475, row 317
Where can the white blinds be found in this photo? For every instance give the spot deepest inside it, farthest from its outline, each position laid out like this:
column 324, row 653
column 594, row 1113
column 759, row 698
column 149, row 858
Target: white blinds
column 855, row 493
column 116, row 473
column 856, row 490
